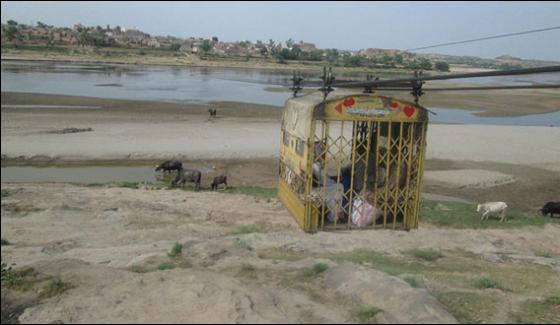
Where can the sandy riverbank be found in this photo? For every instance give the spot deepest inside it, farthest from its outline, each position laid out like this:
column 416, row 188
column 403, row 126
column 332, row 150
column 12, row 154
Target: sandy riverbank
column 149, row 130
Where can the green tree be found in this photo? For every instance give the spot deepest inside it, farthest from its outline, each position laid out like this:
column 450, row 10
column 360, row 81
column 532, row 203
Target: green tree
column 84, row 38
column 332, row 54
column 353, row 61
column 12, row 23
column 206, row 46
column 215, row 39
column 441, row 66
column 12, row 34
column 175, row 47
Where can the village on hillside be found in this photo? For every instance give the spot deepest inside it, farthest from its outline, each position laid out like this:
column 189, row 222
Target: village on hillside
column 21, row 36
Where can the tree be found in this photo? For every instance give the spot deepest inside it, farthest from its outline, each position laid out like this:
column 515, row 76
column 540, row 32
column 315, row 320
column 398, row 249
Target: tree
column 332, row 54
column 12, row 34
column 206, row 46
column 290, row 43
column 215, row 39
column 353, row 61
column 84, row 38
column 175, row 47
column 425, row 64
column 441, row 66
column 12, row 23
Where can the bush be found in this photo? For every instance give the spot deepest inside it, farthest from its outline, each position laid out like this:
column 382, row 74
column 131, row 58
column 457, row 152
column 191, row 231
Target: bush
column 487, row 283
column 176, row 250
column 442, row 66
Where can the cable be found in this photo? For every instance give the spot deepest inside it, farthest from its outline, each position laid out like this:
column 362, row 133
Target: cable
column 485, row 38
column 360, row 84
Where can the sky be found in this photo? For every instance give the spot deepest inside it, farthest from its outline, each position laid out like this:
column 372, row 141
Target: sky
column 342, row 25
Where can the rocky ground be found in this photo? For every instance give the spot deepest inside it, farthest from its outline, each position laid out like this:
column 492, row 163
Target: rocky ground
column 111, row 254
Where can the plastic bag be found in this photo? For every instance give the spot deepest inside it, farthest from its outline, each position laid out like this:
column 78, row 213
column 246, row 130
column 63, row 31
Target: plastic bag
column 363, row 213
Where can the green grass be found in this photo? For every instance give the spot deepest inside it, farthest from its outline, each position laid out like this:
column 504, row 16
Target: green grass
column 6, row 193
column 487, row 283
column 249, row 229
column 138, row 269
column 366, row 314
column 56, row 287
column 464, row 216
column 467, row 307
column 543, row 254
column 4, row 242
column 256, row 191
column 176, row 250
column 546, row 311
column 319, row 268
column 413, row 282
column 426, row 254
column 133, row 185
column 243, row 244
column 166, row 266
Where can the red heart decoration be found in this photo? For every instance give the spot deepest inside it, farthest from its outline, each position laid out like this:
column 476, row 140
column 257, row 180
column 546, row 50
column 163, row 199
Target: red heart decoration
column 408, row 111
column 338, row 108
column 394, row 104
column 349, row 102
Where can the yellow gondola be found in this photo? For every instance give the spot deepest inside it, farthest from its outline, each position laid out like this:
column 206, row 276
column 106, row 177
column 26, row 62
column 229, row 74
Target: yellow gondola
column 352, row 161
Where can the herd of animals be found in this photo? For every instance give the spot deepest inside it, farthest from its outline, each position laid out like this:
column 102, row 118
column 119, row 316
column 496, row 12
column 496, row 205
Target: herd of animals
column 188, row 175
column 195, row 176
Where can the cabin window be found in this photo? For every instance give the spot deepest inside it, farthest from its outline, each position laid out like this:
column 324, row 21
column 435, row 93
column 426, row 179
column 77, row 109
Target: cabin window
column 300, row 147
column 286, row 139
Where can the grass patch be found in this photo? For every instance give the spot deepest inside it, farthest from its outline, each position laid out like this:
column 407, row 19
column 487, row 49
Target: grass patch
column 467, row 307
column 55, row 288
column 243, row 245
column 545, row 311
column 413, row 282
column 138, row 269
column 249, row 229
column 256, row 191
column 426, row 254
column 320, row 268
column 248, row 270
column 366, row 314
column 166, row 266
column 133, row 185
column 464, row 216
column 6, row 193
column 4, row 242
column 487, row 283
column 543, row 254
column 176, row 250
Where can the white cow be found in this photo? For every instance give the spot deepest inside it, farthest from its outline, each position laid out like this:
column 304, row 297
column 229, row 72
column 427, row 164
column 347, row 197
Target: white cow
column 499, row 208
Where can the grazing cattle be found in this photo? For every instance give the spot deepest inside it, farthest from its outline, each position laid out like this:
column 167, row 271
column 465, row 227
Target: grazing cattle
column 551, row 208
column 188, row 175
column 222, row 179
column 498, row 208
column 168, row 166
column 212, row 112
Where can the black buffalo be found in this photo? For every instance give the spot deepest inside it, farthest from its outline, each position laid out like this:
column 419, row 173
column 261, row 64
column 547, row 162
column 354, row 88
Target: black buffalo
column 222, row 179
column 168, row 166
column 189, row 175
column 551, row 208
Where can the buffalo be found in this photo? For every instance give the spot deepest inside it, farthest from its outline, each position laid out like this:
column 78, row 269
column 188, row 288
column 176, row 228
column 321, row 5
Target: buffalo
column 222, row 179
column 168, row 166
column 551, row 208
column 189, row 175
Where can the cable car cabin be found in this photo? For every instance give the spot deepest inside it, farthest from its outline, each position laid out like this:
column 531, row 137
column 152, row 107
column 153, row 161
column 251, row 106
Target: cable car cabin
column 352, row 161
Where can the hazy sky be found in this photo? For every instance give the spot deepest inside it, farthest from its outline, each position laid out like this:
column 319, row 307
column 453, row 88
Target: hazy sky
column 343, row 25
